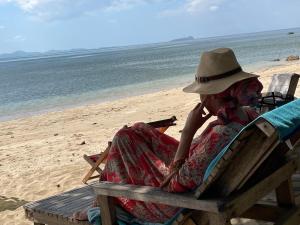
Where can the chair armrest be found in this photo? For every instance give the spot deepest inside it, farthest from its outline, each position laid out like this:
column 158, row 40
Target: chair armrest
column 156, row 195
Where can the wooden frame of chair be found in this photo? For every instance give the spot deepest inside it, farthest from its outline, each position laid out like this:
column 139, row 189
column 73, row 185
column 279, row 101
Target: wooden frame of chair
column 238, row 193
column 161, row 125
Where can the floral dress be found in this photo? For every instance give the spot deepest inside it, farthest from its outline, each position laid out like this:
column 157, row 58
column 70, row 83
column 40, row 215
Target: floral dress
column 141, row 155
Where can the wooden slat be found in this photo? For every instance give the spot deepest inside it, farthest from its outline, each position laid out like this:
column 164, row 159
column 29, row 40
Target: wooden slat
column 224, row 162
column 263, row 157
column 155, row 195
column 44, row 218
column 64, row 204
column 239, row 204
column 245, row 163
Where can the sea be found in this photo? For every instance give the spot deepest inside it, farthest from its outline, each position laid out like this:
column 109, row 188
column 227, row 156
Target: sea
column 53, row 82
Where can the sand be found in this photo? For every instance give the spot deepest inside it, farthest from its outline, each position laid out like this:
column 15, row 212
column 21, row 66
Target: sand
column 42, row 155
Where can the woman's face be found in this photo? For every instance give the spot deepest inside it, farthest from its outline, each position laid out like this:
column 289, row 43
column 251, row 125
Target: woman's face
column 212, row 103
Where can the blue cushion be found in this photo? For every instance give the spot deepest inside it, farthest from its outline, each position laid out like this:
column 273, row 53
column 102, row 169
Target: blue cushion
column 286, row 119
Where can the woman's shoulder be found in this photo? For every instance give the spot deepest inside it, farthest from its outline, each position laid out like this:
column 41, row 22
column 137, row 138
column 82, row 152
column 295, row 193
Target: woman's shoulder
column 218, row 131
column 224, row 128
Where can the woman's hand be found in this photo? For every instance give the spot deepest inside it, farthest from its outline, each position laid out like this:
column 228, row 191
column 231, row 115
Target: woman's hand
column 196, row 118
column 167, row 179
column 174, row 167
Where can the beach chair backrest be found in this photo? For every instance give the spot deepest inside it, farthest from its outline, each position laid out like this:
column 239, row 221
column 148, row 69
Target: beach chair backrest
column 248, row 159
column 239, row 160
column 286, row 83
column 235, row 162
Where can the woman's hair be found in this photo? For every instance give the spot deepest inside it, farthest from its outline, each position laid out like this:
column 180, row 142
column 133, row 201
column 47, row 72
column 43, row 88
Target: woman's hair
column 242, row 93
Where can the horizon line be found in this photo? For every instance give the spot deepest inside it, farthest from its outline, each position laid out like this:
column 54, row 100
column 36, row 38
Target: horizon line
column 148, row 43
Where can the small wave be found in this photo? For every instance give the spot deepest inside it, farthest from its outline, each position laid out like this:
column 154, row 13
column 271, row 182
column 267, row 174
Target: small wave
column 79, row 56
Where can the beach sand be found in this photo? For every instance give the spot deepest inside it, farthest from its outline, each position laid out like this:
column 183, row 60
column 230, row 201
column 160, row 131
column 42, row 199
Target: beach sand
column 42, row 155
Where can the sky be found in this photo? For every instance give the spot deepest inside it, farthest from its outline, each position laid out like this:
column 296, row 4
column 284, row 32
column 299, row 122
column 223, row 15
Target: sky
column 42, row 25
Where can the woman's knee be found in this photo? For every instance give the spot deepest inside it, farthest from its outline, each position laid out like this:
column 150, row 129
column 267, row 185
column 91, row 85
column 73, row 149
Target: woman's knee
column 140, row 125
column 122, row 135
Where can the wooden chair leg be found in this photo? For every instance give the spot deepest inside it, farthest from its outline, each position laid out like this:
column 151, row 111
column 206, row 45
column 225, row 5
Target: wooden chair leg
column 218, row 219
column 286, row 199
column 200, row 218
column 107, row 209
column 284, row 194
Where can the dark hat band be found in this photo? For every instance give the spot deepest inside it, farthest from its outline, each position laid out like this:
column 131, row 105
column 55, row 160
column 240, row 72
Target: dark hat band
column 219, row 76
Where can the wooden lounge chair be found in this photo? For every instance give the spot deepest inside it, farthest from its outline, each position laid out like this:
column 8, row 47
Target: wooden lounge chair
column 96, row 160
column 280, row 91
column 252, row 166
column 284, row 83
column 249, row 194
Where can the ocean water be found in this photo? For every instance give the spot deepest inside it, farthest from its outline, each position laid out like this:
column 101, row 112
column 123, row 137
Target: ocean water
column 34, row 85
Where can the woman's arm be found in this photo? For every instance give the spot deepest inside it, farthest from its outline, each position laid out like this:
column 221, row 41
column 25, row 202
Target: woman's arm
column 197, row 117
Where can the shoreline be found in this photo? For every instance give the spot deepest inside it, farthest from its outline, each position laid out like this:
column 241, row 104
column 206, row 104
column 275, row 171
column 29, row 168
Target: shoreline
column 41, row 155
column 93, row 98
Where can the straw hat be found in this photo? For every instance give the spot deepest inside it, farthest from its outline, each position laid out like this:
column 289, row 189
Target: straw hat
column 218, row 70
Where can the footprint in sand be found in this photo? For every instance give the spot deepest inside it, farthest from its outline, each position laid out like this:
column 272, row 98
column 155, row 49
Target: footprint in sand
column 10, row 203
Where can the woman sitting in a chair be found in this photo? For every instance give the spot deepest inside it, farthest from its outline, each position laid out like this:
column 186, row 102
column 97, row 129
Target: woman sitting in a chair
column 142, row 155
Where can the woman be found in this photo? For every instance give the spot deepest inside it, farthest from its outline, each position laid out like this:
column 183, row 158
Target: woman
column 142, row 155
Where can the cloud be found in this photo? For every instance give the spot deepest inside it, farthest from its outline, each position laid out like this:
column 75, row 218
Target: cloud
column 193, row 7
column 120, row 5
column 213, row 8
column 58, row 9
column 18, row 38
column 66, row 9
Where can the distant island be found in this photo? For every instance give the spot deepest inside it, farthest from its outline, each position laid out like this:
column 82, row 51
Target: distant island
column 189, row 38
column 52, row 53
column 23, row 54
